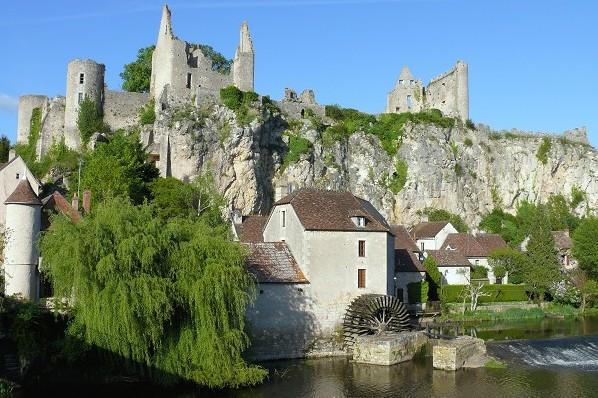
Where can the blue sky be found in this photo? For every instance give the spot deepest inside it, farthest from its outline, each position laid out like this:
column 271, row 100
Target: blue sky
column 532, row 64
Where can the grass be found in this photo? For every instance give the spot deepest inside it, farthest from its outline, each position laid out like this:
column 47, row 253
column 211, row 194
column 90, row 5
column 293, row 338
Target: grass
column 551, row 309
column 494, row 363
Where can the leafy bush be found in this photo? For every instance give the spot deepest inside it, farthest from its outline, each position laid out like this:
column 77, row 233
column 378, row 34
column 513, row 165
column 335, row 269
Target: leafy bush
column 417, row 292
column 479, row 272
column 239, row 101
column 458, row 169
column 469, row 124
column 297, row 146
column 399, row 177
column 498, row 293
column 137, row 75
column 577, row 196
column 543, row 150
column 90, row 120
column 431, row 268
column 147, row 114
column 468, row 142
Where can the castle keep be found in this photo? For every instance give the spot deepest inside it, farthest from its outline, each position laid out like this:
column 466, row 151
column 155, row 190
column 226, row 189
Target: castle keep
column 448, row 92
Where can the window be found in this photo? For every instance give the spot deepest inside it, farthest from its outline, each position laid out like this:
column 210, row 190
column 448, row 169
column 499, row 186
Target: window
column 422, row 244
column 81, row 78
column 477, row 262
column 18, row 175
column 361, row 222
column 361, row 278
column 80, row 98
column 409, row 102
column 362, row 248
column 188, row 80
column 283, row 218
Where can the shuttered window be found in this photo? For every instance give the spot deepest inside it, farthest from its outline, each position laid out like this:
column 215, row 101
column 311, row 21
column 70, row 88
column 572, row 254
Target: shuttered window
column 361, row 250
column 361, row 278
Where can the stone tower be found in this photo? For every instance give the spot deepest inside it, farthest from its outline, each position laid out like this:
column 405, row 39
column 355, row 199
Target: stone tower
column 462, row 76
column 244, row 61
column 407, row 95
column 163, row 56
column 84, row 78
column 21, row 257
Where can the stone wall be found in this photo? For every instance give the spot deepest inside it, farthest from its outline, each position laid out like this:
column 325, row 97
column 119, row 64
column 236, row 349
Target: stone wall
column 26, row 105
column 52, row 125
column 121, row 108
column 449, row 92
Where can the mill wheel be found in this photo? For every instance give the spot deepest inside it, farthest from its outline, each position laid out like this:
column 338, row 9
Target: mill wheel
column 374, row 314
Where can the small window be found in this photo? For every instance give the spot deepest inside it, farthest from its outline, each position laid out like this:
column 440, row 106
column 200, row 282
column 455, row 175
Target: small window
column 18, row 176
column 422, row 244
column 409, row 102
column 80, row 98
column 477, row 262
column 81, row 78
column 188, row 80
column 283, row 218
column 400, row 82
column 361, row 222
column 361, row 248
column 361, row 278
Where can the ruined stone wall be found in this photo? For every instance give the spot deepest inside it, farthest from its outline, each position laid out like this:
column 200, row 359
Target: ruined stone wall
column 52, row 125
column 26, row 105
column 405, row 97
column 449, row 92
column 121, row 108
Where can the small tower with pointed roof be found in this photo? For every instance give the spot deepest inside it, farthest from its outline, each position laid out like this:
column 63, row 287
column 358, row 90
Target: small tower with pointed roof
column 21, row 256
column 407, row 95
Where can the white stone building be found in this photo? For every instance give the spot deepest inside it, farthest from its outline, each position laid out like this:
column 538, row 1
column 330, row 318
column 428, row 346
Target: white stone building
column 320, row 250
column 11, row 174
column 431, row 235
column 454, row 266
column 408, row 266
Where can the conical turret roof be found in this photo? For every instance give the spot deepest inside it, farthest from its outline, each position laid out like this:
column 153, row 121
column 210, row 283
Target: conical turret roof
column 405, row 74
column 23, row 195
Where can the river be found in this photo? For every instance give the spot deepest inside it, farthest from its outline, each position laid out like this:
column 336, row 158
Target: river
column 545, row 358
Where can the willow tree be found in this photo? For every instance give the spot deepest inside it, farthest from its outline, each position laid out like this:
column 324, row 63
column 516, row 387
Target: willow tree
column 167, row 294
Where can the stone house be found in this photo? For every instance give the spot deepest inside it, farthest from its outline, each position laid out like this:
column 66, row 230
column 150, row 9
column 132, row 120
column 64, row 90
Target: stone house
column 454, row 266
column 477, row 249
column 431, row 235
column 11, row 173
column 563, row 244
column 318, row 251
column 408, row 266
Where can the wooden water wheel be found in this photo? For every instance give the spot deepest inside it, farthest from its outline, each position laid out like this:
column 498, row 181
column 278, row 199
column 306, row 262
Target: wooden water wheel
column 374, row 314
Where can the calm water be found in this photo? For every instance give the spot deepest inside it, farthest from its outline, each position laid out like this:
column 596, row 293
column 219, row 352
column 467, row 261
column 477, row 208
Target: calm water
column 558, row 358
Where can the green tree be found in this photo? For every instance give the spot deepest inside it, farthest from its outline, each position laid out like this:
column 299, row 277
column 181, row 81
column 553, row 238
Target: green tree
column 585, row 246
column 431, row 268
column 137, row 75
column 169, row 295
column 541, row 266
column 118, row 168
column 559, row 214
column 504, row 224
column 4, row 148
column 90, row 119
column 444, row 215
column 510, row 260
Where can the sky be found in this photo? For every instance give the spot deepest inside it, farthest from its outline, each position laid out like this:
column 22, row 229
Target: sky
column 532, row 63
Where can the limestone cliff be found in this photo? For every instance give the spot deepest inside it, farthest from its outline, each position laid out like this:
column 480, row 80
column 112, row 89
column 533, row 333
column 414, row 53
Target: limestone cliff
column 465, row 171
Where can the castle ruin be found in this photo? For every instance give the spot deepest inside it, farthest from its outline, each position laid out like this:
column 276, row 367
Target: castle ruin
column 448, row 92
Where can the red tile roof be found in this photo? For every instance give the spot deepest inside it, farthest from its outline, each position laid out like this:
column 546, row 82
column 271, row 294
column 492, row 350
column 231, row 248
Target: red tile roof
column 402, row 238
column 466, row 244
column 273, row 262
column 251, row 230
column 449, row 258
column 58, row 203
column 562, row 240
column 491, row 242
column 427, row 229
column 320, row 210
column 23, row 195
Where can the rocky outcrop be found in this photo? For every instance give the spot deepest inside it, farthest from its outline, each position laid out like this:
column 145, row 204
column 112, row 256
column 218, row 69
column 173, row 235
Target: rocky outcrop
column 462, row 170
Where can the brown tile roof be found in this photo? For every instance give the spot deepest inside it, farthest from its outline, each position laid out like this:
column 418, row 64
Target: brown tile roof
column 57, row 203
column 273, row 262
column 23, row 194
column 466, row 244
column 562, row 240
column 407, row 261
column 402, row 238
column 449, row 258
column 491, row 242
column 251, row 230
column 427, row 229
column 320, row 210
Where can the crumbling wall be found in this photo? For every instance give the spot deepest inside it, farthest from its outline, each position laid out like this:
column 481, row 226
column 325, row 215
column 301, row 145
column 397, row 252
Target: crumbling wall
column 121, row 108
column 52, row 125
column 26, row 105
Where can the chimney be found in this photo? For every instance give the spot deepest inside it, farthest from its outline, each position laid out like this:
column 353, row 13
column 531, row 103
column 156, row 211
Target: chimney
column 87, row 202
column 11, row 154
column 237, row 217
column 280, row 191
column 75, row 201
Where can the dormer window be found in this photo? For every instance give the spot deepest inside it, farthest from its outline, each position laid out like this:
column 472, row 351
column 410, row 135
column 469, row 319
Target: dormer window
column 359, row 221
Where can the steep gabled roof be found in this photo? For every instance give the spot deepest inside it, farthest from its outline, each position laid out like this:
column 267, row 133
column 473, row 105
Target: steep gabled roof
column 405, row 74
column 466, row 244
column 562, row 240
column 426, row 230
column 320, row 210
column 449, row 258
column 273, row 262
column 23, row 195
column 56, row 202
column 402, row 238
column 251, row 229
column 491, row 242
column 407, row 261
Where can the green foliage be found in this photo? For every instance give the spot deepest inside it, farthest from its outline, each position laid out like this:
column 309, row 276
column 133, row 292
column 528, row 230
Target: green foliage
column 458, row 170
column 269, row 104
column 220, row 63
column 417, row 292
column 469, row 124
column 59, row 158
column 4, row 149
column 90, row 119
column 578, row 195
column 479, row 272
column 147, row 114
column 507, row 260
column 585, row 246
column 118, row 168
column 169, row 295
column 454, row 150
column 431, row 268
column 499, row 270
column 498, row 293
column 297, row 146
column 468, row 142
column 240, row 102
column 137, row 75
column 494, row 363
column 543, row 150
column 399, row 177
column 444, row 215
column 28, row 151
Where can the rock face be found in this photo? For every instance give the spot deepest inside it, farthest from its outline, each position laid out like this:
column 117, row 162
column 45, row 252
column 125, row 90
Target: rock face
column 388, row 349
column 465, row 171
column 457, row 353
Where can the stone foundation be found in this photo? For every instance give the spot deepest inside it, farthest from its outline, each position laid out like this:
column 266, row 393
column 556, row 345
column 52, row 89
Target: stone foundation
column 388, row 349
column 456, row 353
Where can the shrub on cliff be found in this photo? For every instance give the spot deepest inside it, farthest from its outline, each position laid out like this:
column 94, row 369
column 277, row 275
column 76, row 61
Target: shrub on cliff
column 90, row 120
column 444, row 215
column 147, row 114
column 543, row 150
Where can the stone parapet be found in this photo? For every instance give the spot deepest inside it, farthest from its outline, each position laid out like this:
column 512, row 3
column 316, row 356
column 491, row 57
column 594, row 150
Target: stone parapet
column 454, row 354
column 388, row 349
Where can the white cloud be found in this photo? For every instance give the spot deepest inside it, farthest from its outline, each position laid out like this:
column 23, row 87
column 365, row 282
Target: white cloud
column 8, row 103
